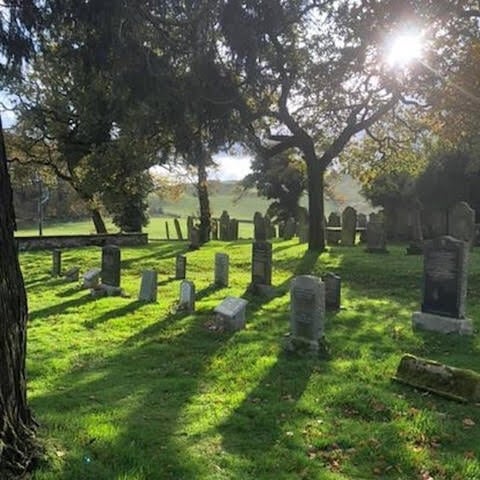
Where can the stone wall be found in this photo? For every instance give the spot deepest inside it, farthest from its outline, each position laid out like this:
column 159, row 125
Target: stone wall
column 47, row 242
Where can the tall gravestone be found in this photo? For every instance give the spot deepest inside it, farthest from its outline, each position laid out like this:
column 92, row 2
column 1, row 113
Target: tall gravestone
column 56, row 263
column 268, row 227
column 461, row 223
column 214, row 229
column 187, row 296
column 111, row 268
column 194, row 238
column 303, row 225
column 362, row 226
column 333, row 286
column 349, row 227
column 333, row 229
column 259, row 231
column 307, row 314
column 178, row 229
column 416, row 235
column 148, row 286
column 225, row 226
column 444, row 288
column 222, row 263
column 376, row 235
column 261, row 263
column 233, row 229
column 180, row 267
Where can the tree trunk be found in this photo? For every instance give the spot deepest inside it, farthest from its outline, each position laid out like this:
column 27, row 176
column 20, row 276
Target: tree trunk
column 18, row 446
column 203, row 198
column 315, row 173
column 98, row 221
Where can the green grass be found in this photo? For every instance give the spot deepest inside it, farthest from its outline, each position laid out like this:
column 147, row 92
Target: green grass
column 130, row 391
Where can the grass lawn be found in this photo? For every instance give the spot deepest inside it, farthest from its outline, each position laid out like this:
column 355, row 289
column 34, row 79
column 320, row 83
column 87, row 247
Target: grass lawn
column 130, row 391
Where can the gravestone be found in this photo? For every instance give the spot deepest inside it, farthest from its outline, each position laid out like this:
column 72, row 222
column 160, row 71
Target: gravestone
column 167, row 230
column 376, row 236
column 214, row 229
column 231, row 313
column 111, row 267
column 438, row 221
column 72, row 274
column 91, row 279
column 233, row 229
column 56, row 263
column 178, row 230
column 189, row 227
column 361, row 220
column 148, row 286
column 261, row 263
column 303, row 224
column 461, row 223
column 281, row 230
column 289, row 229
column 349, row 227
column 180, row 267
column 334, row 231
column 416, row 235
column 187, row 296
column 221, row 269
column 268, row 227
column 333, row 285
column 259, row 231
column 307, row 314
column 444, row 288
column 194, row 238
column 225, row 226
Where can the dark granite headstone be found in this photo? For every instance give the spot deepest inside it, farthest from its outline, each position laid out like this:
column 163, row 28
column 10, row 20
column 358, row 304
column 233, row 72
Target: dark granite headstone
column 290, row 229
column 333, row 285
column 56, row 263
column 260, row 233
column 261, row 263
column 225, row 226
column 376, row 236
column 111, row 265
column 349, row 227
column 180, row 267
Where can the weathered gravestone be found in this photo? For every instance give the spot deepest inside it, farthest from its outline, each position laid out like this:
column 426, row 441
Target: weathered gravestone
column 111, row 267
column 333, row 286
column 362, row 226
column 214, row 229
column 180, row 267
column 167, row 230
column 303, row 224
column 233, row 229
column 231, row 313
column 307, row 314
column 268, row 227
column 178, row 229
column 416, row 243
column 349, row 227
column 259, row 231
column 376, row 236
column 148, row 286
column 461, row 223
column 91, row 278
column 225, row 226
column 444, row 288
column 194, row 238
column 261, row 263
column 333, row 229
column 187, row 296
column 221, row 269
column 72, row 274
column 290, row 229
column 56, row 263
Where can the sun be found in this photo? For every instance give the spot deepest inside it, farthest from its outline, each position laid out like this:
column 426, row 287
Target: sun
column 404, row 49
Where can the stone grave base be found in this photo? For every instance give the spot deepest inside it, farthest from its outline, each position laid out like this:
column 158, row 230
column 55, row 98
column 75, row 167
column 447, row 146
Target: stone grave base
column 453, row 383
column 103, row 290
column 376, row 250
column 302, row 346
column 437, row 323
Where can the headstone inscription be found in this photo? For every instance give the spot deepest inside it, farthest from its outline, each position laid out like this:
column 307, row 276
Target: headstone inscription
column 333, row 285
column 259, row 229
column 307, row 314
column 178, row 229
column 461, row 223
column 180, row 267
column 111, row 268
column 261, row 263
column 56, row 263
column 225, row 226
column 444, row 288
column 148, row 286
column 221, row 269
column 231, row 313
column 349, row 227
column 187, row 296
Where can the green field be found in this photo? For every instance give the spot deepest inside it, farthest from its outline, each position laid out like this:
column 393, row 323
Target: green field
column 125, row 390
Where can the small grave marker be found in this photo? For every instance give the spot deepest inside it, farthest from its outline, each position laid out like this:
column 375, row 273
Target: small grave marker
column 57, row 263
column 221, row 269
column 231, row 312
column 180, row 267
column 91, row 279
column 111, row 265
column 187, row 296
column 261, row 263
column 333, row 285
column 148, row 286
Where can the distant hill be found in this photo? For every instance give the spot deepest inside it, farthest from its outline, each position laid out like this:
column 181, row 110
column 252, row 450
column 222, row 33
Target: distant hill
column 228, row 195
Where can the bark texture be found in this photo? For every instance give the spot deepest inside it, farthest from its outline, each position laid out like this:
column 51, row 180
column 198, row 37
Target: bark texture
column 18, row 446
column 203, row 198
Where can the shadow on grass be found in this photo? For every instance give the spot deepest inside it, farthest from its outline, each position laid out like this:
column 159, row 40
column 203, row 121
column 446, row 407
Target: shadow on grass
column 116, row 313
column 60, row 307
column 167, row 250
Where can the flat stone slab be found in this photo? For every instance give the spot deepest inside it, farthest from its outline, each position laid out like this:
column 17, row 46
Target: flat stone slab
column 441, row 324
column 450, row 382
